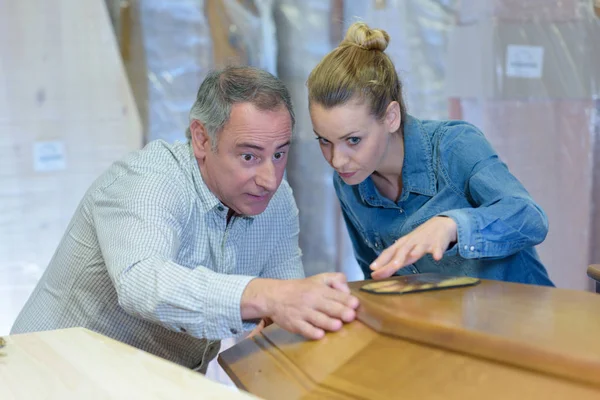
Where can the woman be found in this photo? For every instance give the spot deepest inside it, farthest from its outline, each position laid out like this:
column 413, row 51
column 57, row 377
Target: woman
column 417, row 196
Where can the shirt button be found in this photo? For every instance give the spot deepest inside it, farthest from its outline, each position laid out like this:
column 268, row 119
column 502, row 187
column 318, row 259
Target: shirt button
column 234, row 331
column 472, row 248
column 220, row 208
column 182, row 330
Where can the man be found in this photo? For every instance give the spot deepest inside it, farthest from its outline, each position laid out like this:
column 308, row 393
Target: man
column 178, row 246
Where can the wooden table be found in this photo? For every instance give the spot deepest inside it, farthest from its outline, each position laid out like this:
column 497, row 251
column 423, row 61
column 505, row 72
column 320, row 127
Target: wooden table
column 495, row 340
column 79, row 364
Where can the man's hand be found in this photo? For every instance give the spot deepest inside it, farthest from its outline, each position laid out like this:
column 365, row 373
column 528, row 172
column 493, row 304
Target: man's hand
column 264, row 322
column 308, row 306
column 433, row 237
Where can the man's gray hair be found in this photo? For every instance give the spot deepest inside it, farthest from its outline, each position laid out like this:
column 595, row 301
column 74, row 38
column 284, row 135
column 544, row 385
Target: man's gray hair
column 223, row 88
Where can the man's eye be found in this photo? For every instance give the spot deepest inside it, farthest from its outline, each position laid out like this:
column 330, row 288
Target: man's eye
column 279, row 155
column 248, row 157
column 354, row 140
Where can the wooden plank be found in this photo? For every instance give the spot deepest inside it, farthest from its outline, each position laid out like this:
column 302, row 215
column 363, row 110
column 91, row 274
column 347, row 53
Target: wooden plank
column 545, row 329
column 77, row 364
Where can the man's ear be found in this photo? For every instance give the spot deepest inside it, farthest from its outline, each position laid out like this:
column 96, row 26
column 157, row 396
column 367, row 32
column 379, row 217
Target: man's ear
column 393, row 117
column 200, row 140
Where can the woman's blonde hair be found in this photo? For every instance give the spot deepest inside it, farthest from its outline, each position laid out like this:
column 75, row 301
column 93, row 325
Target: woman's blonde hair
column 358, row 68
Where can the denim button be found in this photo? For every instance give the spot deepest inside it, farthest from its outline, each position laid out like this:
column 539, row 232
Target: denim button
column 401, row 211
column 472, row 248
column 466, row 247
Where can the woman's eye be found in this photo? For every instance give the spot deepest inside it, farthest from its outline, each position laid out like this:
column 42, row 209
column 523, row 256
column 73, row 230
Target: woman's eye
column 323, row 140
column 354, row 140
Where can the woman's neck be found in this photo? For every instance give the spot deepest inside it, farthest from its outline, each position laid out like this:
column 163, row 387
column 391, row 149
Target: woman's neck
column 388, row 177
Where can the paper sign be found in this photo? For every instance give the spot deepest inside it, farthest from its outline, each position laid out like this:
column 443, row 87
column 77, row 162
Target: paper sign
column 524, row 61
column 49, row 156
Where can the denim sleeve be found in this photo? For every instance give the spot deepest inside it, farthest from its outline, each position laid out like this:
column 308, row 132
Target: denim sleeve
column 503, row 219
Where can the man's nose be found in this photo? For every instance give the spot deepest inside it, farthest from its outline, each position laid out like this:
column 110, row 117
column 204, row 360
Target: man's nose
column 266, row 177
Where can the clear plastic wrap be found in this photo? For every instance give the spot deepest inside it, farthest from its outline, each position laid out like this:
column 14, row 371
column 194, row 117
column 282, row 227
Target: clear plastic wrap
column 66, row 113
column 185, row 39
column 303, row 32
column 527, row 73
column 178, row 50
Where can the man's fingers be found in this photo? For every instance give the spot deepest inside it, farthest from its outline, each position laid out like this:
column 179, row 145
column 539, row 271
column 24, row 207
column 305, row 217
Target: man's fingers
column 337, row 310
column 345, row 299
column 309, row 331
column 336, row 281
column 322, row 321
column 257, row 330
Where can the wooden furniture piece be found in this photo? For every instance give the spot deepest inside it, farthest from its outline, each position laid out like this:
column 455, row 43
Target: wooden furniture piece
column 79, row 364
column 593, row 272
column 495, row 340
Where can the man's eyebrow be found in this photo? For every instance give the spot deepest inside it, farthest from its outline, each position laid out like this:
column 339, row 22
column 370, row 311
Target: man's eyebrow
column 260, row 148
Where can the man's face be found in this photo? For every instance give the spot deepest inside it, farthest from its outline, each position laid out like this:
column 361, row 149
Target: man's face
column 248, row 165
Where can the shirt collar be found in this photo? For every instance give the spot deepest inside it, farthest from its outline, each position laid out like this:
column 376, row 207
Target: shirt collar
column 417, row 170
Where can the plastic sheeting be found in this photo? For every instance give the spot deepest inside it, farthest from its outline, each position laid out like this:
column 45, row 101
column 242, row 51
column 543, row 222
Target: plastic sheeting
column 418, row 32
column 178, row 38
column 533, row 89
column 304, row 32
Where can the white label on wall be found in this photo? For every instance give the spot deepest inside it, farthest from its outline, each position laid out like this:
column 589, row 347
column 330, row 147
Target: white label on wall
column 524, row 61
column 49, row 156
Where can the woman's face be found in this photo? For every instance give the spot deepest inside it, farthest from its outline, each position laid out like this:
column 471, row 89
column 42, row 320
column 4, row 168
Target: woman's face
column 353, row 141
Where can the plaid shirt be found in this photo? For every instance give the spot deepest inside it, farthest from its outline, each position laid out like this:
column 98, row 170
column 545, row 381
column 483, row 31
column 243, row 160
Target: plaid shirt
column 149, row 259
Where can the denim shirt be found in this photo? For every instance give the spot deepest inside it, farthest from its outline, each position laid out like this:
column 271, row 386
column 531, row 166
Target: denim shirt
column 451, row 170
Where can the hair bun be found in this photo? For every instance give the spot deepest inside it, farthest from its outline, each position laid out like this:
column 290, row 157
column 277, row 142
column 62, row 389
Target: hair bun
column 359, row 34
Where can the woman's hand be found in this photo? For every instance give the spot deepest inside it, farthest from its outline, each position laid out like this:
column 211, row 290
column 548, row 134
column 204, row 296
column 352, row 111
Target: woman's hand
column 433, row 237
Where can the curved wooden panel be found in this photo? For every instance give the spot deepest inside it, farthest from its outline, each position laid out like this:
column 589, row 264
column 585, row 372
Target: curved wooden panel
column 545, row 329
column 359, row 363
